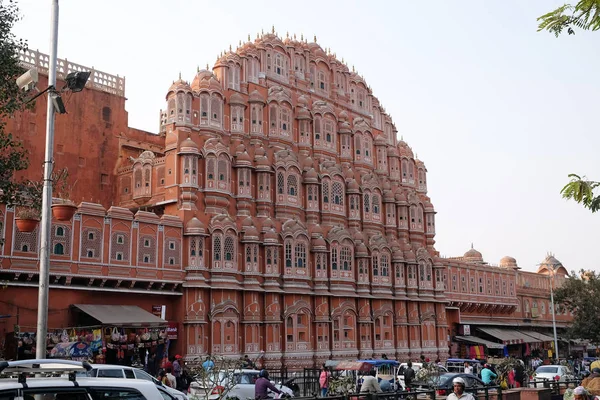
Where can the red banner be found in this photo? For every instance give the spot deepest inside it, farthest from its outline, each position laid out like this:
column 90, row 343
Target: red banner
column 172, row 330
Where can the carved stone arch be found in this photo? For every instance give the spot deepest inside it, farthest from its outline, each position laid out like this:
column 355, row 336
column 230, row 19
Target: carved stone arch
column 384, row 309
column 339, row 234
column 346, row 305
column 286, row 159
column 197, row 309
column 379, row 242
column 215, row 146
column 293, row 228
column 223, row 307
column 297, row 307
column 361, row 124
column 279, row 94
column 324, row 108
column 222, row 222
column 423, row 255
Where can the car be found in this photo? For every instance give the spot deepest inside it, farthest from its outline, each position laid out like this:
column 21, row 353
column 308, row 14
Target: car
column 416, row 367
column 125, row 372
column 219, row 385
column 444, row 386
column 17, row 384
column 552, row 373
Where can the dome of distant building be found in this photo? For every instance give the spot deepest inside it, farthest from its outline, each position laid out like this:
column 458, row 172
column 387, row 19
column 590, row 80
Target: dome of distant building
column 473, row 255
column 551, row 263
column 508, row 262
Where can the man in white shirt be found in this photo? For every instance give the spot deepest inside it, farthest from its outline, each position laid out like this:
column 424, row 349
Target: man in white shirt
column 370, row 384
column 468, row 368
column 458, row 384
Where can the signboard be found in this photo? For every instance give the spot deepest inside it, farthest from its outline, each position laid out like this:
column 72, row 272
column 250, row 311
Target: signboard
column 465, row 330
column 172, row 330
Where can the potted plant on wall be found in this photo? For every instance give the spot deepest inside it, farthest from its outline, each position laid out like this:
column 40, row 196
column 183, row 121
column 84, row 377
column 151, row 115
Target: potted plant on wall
column 29, row 207
column 63, row 208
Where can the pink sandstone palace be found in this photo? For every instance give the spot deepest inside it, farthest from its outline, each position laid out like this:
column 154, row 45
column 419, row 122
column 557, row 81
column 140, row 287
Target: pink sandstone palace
column 275, row 211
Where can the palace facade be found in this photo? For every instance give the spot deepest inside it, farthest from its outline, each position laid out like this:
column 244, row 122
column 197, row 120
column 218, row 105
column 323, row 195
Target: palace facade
column 275, row 211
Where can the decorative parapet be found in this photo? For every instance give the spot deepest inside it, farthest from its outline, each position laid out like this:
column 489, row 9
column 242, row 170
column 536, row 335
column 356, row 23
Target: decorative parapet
column 98, row 80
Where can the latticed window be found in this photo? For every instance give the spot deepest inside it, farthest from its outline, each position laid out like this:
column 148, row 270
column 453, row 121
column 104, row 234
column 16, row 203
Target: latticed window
column 248, row 253
column 375, row 261
column 273, row 118
column 317, row 124
column 229, row 249
column 280, row 183
column 288, row 254
column 300, row 254
column 353, row 203
column 358, row 144
column 256, row 112
column 292, row 182
column 215, row 109
column 361, row 266
column 346, row 258
column 325, row 188
column 210, row 168
column 334, row 258
column 338, row 193
column 319, row 260
column 223, row 170
column 366, row 204
column 329, row 133
column 385, row 265
column 217, row 247
column 91, row 240
column 286, row 127
column 376, row 206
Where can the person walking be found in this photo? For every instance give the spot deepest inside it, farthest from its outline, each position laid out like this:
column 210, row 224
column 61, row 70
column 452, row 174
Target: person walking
column 458, row 393
column 409, row 375
column 208, row 364
column 324, row 381
column 177, row 369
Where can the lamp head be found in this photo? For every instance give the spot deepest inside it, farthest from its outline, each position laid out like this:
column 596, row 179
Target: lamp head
column 76, row 80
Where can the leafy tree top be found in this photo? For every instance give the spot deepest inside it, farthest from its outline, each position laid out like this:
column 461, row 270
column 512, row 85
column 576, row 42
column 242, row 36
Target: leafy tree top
column 584, row 15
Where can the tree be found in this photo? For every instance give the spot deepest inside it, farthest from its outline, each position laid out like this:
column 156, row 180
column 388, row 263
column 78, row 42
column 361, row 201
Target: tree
column 584, row 15
column 582, row 191
column 580, row 294
column 13, row 156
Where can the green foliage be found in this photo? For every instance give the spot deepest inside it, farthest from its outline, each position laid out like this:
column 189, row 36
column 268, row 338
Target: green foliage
column 582, row 191
column 13, row 156
column 585, row 15
column 580, row 295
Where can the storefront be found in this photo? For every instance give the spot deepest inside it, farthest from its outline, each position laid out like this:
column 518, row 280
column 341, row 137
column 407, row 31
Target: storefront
column 112, row 334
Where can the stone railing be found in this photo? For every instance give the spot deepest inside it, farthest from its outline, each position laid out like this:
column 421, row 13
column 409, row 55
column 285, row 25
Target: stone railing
column 98, row 80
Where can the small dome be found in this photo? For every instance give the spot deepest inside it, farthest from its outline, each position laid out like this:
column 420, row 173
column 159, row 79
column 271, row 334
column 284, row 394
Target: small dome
column 243, row 159
column 267, row 224
column 195, row 227
column 401, row 196
column 409, row 255
column 256, row 97
column 303, row 113
column 259, row 151
column 188, row 146
column 148, row 155
column 473, row 255
column 404, row 150
column 361, row 250
column 302, row 101
column 311, row 176
column 215, row 85
column 237, row 98
column 180, row 85
column 247, row 222
column 271, row 236
column 353, row 186
column 316, row 230
column 508, row 262
column 343, row 115
column 319, row 243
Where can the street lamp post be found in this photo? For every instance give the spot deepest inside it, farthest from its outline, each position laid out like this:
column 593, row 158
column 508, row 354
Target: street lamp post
column 553, row 314
column 43, row 292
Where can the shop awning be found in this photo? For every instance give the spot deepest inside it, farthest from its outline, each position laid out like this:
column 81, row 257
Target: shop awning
column 475, row 339
column 508, row 336
column 121, row 315
column 539, row 336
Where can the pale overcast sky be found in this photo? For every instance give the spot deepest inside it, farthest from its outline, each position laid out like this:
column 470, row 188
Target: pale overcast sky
column 499, row 113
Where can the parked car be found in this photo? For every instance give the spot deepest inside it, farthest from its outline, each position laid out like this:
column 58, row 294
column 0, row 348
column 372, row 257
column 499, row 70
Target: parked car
column 124, row 372
column 416, row 367
column 552, row 373
column 70, row 386
column 219, row 386
column 443, row 383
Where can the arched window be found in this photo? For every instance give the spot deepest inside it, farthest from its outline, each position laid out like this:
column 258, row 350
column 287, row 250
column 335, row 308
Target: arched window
column 204, row 108
column 59, row 249
column 317, row 125
column 288, row 253
column 217, row 248
column 300, row 255
column 384, row 264
column 273, row 120
column 60, row 231
column 229, row 249
column 285, row 121
column 292, row 182
column 376, row 204
column 215, row 110
column 334, row 257
column 375, row 260
column 346, row 258
column 280, row 183
column 325, row 189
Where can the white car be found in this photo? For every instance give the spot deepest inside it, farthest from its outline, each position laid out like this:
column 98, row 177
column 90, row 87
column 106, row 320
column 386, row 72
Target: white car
column 552, row 373
column 219, row 386
column 416, row 367
column 17, row 384
column 124, row 372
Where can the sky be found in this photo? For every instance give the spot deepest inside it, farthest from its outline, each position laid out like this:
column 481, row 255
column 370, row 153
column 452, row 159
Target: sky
column 499, row 112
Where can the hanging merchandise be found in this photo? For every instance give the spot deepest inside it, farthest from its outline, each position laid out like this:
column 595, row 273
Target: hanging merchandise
column 146, row 335
column 115, row 335
column 96, row 342
column 80, row 350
